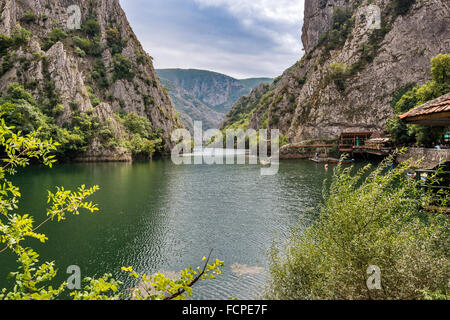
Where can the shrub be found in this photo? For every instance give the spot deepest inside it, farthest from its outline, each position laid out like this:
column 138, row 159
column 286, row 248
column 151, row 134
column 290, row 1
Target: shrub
column 440, row 69
column 28, row 16
column 92, row 48
column 367, row 219
column 137, row 124
column 99, row 74
column 91, row 28
column 5, row 43
column 115, row 41
column 58, row 110
column 338, row 72
column 122, row 67
column 94, row 100
column 20, row 36
column 16, row 92
column 56, row 35
column 402, row 7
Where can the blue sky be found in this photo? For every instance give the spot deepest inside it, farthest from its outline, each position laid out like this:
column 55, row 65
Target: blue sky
column 240, row 38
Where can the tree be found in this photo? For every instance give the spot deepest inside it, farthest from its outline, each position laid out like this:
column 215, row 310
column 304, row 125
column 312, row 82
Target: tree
column 368, row 218
column 403, row 134
column 31, row 277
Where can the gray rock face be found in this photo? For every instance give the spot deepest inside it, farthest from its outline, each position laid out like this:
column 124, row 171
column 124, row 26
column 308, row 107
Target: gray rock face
column 71, row 72
column 306, row 103
column 318, row 18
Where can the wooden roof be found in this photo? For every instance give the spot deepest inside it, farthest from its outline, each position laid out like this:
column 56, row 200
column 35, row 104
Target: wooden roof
column 433, row 113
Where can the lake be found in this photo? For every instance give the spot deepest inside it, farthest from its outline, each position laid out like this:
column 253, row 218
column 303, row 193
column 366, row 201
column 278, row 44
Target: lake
column 156, row 216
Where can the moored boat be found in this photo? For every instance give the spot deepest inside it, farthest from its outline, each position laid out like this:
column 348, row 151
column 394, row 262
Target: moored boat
column 337, row 161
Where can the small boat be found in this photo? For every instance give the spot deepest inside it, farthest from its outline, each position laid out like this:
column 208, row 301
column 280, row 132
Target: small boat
column 337, row 161
column 315, row 160
column 264, row 162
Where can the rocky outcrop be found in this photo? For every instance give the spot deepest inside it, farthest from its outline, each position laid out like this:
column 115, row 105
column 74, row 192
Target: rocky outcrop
column 351, row 71
column 105, row 62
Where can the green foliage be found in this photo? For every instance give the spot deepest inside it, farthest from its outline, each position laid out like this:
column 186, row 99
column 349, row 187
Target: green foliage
column 160, row 287
column 99, row 74
column 338, row 72
column 28, row 17
column 440, row 85
column 122, row 67
column 440, row 69
column 20, row 36
column 5, row 43
column 57, row 34
column 137, row 124
column 343, row 24
column 402, row 7
column 91, row 47
column 32, row 280
column 143, row 140
column 115, row 41
column 371, row 217
column 91, row 28
column 94, row 100
column 16, row 92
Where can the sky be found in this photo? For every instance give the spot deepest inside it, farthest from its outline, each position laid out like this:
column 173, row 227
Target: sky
column 240, row 38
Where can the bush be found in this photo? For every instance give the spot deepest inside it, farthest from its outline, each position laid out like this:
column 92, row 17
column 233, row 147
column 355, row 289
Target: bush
column 20, row 36
column 91, row 28
column 440, row 69
column 115, row 41
column 5, row 44
column 92, row 48
column 402, row 7
column 122, row 67
column 28, row 17
column 56, row 35
column 137, row 124
column 16, row 92
column 99, row 74
column 94, row 100
column 367, row 219
column 338, row 72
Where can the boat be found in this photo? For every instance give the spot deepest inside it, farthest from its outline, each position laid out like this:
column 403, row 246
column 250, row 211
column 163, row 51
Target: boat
column 342, row 161
column 264, row 162
column 315, row 160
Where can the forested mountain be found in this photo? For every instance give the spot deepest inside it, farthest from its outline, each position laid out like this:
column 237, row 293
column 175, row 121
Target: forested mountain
column 89, row 83
column 217, row 91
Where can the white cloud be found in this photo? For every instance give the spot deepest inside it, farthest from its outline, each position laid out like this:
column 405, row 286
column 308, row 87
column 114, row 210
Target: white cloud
column 286, row 11
column 262, row 38
column 271, row 17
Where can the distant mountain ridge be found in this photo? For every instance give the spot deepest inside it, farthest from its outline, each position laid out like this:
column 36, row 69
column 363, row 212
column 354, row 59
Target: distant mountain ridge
column 190, row 108
column 211, row 94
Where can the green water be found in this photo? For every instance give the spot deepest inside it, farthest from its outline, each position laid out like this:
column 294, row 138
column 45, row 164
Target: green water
column 160, row 217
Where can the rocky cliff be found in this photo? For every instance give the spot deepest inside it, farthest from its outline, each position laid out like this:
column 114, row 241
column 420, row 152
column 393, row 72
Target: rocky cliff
column 94, row 68
column 359, row 56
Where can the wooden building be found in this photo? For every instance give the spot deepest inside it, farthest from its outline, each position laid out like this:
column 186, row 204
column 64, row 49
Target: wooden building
column 433, row 113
